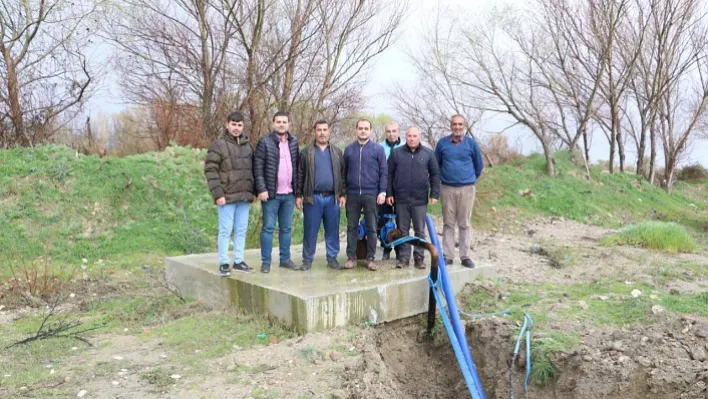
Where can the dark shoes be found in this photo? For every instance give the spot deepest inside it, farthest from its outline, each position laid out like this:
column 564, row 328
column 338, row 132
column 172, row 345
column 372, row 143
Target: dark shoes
column 265, row 268
column 242, row 267
column 333, row 264
column 448, row 261
column 224, row 270
column 402, row 263
column 306, row 266
column 386, row 254
column 289, row 264
column 418, row 263
column 467, row 262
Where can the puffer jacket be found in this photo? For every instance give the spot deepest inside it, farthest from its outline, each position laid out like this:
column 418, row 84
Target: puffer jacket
column 267, row 162
column 413, row 176
column 229, row 168
column 306, row 173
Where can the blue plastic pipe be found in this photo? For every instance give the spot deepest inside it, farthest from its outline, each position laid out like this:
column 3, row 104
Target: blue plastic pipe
column 459, row 331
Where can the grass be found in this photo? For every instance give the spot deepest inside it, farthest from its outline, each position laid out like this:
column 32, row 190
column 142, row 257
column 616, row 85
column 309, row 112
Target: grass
column 658, row 236
column 687, row 304
column 543, row 369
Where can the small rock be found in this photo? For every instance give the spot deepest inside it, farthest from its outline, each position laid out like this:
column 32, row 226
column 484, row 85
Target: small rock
column 583, row 305
column 72, row 295
column 2, row 307
column 656, row 309
column 125, row 330
column 335, row 356
column 74, row 348
column 68, row 378
column 337, row 394
column 163, row 356
column 645, row 340
column 698, row 354
column 81, row 393
column 51, row 371
column 238, row 348
column 118, row 357
column 643, row 361
column 623, row 359
column 653, row 297
column 175, row 376
column 352, row 349
column 115, row 383
column 636, row 293
column 587, row 358
column 603, row 298
column 23, row 388
column 7, row 375
column 702, row 331
column 618, row 346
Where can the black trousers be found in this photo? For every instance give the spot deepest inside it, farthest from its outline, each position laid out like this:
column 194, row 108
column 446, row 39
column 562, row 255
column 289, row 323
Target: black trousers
column 355, row 205
column 407, row 213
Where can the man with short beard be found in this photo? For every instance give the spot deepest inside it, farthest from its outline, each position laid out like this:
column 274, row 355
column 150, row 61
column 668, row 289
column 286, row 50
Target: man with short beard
column 322, row 188
column 392, row 141
column 275, row 172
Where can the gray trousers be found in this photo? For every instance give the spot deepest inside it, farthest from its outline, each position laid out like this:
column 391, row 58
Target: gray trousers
column 457, row 203
column 405, row 213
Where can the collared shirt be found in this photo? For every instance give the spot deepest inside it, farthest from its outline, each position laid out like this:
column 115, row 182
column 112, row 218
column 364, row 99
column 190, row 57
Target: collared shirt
column 285, row 169
column 324, row 179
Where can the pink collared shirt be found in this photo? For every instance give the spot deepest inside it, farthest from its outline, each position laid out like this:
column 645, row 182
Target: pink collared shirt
column 285, row 169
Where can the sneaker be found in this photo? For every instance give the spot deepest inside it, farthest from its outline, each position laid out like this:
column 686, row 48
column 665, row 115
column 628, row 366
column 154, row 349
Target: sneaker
column 224, row 270
column 289, row 264
column 467, row 262
column 402, row 263
column 371, row 265
column 386, row 254
column 333, row 264
column 242, row 267
column 265, row 267
column 419, row 263
column 351, row 262
column 448, row 261
column 305, row 266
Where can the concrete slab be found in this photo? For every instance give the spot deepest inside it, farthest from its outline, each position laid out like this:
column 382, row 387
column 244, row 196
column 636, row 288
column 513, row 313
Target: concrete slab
column 316, row 300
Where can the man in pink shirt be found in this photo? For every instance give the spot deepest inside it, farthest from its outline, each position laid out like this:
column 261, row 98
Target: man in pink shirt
column 275, row 172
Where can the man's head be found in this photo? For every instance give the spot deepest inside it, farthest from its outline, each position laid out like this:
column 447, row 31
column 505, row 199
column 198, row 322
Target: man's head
column 457, row 125
column 363, row 129
column 413, row 137
column 391, row 130
column 321, row 132
column 281, row 122
column 234, row 123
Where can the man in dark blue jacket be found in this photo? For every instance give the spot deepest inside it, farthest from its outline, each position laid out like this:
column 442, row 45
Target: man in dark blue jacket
column 413, row 183
column 367, row 178
column 275, row 172
column 461, row 164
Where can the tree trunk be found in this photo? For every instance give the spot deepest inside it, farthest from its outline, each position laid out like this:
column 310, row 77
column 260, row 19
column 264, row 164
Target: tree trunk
column 640, row 151
column 669, row 174
column 13, row 94
column 296, row 34
column 550, row 163
column 652, row 155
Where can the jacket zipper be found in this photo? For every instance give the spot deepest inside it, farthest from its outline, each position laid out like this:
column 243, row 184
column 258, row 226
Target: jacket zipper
column 361, row 147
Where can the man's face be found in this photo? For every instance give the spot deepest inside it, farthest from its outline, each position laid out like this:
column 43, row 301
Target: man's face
column 413, row 138
column 457, row 126
column 363, row 130
column 321, row 132
column 234, row 128
column 392, row 132
column 280, row 124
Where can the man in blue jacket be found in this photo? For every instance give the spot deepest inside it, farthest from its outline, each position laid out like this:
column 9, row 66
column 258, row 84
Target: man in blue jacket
column 461, row 164
column 393, row 140
column 413, row 183
column 367, row 178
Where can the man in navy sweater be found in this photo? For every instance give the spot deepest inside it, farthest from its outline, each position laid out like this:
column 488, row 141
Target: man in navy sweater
column 367, row 177
column 461, row 164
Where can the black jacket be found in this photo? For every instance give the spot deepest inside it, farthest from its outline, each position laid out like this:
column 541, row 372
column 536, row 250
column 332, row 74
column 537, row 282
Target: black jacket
column 306, row 173
column 267, row 162
column 229, row 168
column 413, row 176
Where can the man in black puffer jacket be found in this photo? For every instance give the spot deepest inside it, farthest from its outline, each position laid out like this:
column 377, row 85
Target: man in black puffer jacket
column 276, row 175
column 229, row 172
column 413, row 183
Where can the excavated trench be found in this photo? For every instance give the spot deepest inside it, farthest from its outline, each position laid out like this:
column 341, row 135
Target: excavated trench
column 395, row 365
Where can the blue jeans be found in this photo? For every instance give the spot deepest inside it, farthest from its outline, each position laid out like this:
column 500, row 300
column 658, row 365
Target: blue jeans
column 233, row 217
column 323, row 209
column 280, row 207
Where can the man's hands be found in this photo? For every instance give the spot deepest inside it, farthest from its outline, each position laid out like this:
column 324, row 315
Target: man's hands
column 342, row 202
column 263, row 196
column 220, row 201
column 390, row 201
column 381, row 199
column 433, row 201
column 298, row 203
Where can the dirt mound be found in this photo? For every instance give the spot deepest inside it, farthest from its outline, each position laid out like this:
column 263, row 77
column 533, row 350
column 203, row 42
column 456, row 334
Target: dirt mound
column 664, row 361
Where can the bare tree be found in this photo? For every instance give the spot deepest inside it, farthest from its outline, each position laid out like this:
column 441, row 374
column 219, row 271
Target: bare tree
column 44, row 73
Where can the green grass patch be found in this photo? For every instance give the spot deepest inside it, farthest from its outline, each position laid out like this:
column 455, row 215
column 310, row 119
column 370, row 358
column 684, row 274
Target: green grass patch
column 687, row 304
column 658, row 236
column 543, row 370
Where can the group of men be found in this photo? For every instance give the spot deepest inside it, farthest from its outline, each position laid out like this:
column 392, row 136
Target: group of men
column 369, row 179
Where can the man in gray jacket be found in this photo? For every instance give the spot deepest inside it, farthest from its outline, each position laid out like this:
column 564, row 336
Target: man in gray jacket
column 413, row 183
